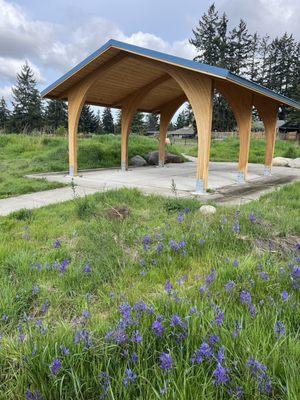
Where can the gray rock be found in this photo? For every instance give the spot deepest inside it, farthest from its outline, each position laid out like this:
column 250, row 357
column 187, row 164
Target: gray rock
column 138, row 161
column 206, row 210
column 173, row 158
column 152, row 158
column 295, row 163
column 281, row 162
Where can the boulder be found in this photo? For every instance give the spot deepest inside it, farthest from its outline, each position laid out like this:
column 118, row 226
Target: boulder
column 281, row 162
column 152, row 158
column 295, row 163
column 173, row 158
column 138, row 161
column 207, row 210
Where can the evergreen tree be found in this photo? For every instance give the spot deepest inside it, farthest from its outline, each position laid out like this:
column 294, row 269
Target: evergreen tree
column 118, row 123
column 294, row 115
column 239, row 49
column 138, row 124
column 253, row 72
column 181, row 120
column 27, row 105
column 99, row 129
column 4, row 115
column 88, row 122
column 152, row 123
column 56, row 114
column 206, row 37
column 107, row 121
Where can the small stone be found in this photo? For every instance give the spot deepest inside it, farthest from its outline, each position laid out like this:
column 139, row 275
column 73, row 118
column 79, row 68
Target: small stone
column 281, row 162
column 206, row 210
column 138, row 161
column 295, row 163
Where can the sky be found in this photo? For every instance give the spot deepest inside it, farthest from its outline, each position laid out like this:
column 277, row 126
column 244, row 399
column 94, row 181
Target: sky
column 53, row 36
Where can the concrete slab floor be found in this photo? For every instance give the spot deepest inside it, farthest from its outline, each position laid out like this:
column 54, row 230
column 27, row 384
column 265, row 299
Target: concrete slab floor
column 157, row 180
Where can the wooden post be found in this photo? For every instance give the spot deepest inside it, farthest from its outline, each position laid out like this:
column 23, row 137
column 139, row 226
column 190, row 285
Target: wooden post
column 241, row 103
column 268, row 112
column 199, row 91
column 166, row 114
column 75, row 104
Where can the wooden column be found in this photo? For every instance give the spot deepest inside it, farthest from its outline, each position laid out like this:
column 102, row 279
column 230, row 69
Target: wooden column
column 129, row 107
column 241, row 103
column 76, row 98
column 166, row 114
column 199, row 91
column 268, row 112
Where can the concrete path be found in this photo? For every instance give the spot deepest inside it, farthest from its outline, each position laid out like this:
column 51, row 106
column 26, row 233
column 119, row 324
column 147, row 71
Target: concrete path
column 155, row 180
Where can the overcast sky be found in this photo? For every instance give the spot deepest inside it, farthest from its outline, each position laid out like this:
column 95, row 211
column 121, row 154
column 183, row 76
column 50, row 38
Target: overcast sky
column 55, row 35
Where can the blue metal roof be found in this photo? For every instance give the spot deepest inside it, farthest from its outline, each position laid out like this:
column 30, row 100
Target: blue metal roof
column 178, row 61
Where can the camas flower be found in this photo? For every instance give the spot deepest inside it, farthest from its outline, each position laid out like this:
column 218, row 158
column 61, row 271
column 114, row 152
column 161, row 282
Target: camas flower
column 259, row 371
column 57, row 244
column 55, row 366
column 166, row 361
column 168, row 287
column 36, row 395
column 221, row 375
column 205, row 352
column 104, row 382
column 158, row 328
column 245, row 297
column 87, row 269
column 279, row 329
column 211, row 277
column 130, row 377
column 229, row 286
column 285, row 295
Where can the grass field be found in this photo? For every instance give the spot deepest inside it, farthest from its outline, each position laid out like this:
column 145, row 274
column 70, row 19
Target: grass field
column 21, row 154
column 165, row 303
column 228, row 150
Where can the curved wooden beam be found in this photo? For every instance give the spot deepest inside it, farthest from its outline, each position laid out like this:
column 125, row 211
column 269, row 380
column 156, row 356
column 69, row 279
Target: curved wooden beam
column 76, row 99
column 129, row 107
column 268, row 112
column 166, row 114
column 199, row 92
column 241, row 102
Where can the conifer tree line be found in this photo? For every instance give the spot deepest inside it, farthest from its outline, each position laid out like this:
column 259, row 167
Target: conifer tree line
column 274, row 63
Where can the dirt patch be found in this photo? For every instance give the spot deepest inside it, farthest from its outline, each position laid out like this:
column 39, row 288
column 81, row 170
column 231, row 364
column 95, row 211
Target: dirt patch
column 282, row 245
column 118, row 212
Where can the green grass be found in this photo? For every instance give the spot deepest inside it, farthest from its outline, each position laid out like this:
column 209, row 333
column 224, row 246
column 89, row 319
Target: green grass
column 23, row 154
column 228, row 150
column 123, row 271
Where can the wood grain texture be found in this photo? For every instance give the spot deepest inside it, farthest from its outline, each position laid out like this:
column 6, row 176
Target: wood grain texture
column 166, row 115
column 241, row 103
column 198, row 89
column 268, row 112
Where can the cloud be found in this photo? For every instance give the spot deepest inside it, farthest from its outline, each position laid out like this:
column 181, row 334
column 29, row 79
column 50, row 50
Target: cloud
column 6, row 93
column 9, row 67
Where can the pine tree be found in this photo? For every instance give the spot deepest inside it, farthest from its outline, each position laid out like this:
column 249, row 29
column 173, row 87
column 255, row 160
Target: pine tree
column 88, row 122
column 99, row 129
column 27, row 105
column 253, row 72
column 294, row 115
column 222, row 42
column 56, row 114
column 107, row 121
column 4, row 115
column 138, row 124
column 152, row 123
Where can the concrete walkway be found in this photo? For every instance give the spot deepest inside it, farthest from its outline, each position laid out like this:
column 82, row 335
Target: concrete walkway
column 154, row 180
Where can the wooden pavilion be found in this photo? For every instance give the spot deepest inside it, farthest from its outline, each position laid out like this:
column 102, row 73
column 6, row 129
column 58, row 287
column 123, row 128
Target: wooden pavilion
column 135, row 79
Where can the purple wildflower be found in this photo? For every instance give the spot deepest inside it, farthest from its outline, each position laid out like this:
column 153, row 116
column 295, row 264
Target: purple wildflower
column 214, row 339
column 193, row 310
column 87, row 269
column 104, row 382
column 220, row 375
column 158, row 328
column 166, row 361
column 130, row 377
column 229, row 286
column 252, row 217
column 159, row 247
column 205, row 352
column 57, row 244
column 264, row 276
column 219, row 316
column 136, row 337
column 259, row 371
column 235, row 263
column 211, row 277
column 245, row 297
column 36, row 395
column 64, row 265
column 284, row 295
column 168, row 287
column 203, row 289
column 180, row 218
column 65, row 350
column 55, row 366
column 83, row 336
column 35, row 289
column 279, row 329
column 236, row 226
column 86, row 314
column 147, row 240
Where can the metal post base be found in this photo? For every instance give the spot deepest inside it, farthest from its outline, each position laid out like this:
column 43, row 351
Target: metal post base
column 267, row 171
column 200, row 190
column 123, row 166
column 241, row 177
column 161, row 163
